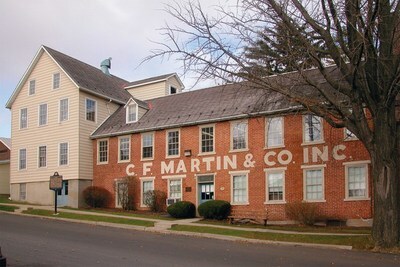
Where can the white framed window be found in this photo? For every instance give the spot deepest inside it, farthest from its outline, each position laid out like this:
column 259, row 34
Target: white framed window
column 102, row 154
column 356, row 176
column 207, row 139
column 239, row 134
column 22, row 159
column 64, row 110
column 23, row 118
column 147, row 145
column 42, row 156
column 121, row 192
column 348, row 135
column 172, row 90
column 175, row 188
column 22, row 191
column 275, row 185
column 56, row 80
column 314, row 184
column 131, row 112
column 274, row 132
column 91, row 108
column 32, row 87
column 146, row 184
column 312, row 129
column 124, row 151
column 63, row 154
column 173, row 143
column 239, row 187
column 42, row 114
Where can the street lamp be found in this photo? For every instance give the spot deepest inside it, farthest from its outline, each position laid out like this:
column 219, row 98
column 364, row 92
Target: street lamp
column 55, row 185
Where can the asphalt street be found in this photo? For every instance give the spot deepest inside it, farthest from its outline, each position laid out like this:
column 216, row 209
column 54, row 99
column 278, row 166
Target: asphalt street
column 27, row 241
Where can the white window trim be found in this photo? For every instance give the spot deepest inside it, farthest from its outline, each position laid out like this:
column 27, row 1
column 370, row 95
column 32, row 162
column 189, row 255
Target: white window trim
column 59, row 110
column 127, row 112
column 120, row 181
column 169, row 89
column 98, row 151
column 166, row 143
column 232, row 125
column 214, row 131
column 47, row 115
column 356, row 164
column 119, row 149
column 266, row 132
column 322, row 141
column 59, row 81
column 26, row 159
column 20, row 118
column 141, row 146
column 144, row 179
column 237, row 173
column 275, row 170
column 310, row 168
column 168, row 186
column 29, row 87
column 38, row 156
column 95, row 110
column 59, row 154
column 348, row 138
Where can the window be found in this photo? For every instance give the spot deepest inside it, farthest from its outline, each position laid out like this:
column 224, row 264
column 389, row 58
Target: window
column 103, row 151
column 42, row 114
column 42, row 159
column 63, row 154
column 23, row 118
column 173, row 143
column 90, row 110
column 64, row 109
column 357, row 181
column 239, row 188
column 22, row 159
column 32, row 87
column 312, row 129
column 274, row 132
column 275, row 186
column 56, row 80
column 207, row 139
column 314, row 185
column 175, row 188
column 239, row 135
column 131, row 113
column 348, row 135
column 124, row 148
column 172, row 90
column 147, row 146
column 147, row 185
column 22, row 192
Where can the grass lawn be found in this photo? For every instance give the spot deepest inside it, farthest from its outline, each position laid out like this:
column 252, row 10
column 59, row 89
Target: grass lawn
column 8, row 208
column 357, row 242
column 95, row 218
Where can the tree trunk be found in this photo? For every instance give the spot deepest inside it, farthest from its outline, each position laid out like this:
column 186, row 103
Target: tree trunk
column 386, row 176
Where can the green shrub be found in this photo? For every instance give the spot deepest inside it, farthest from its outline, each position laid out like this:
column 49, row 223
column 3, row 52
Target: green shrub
column 182, row 209
column 303, row 212
column 215, row 209
column 155, row 200
column 96, row 197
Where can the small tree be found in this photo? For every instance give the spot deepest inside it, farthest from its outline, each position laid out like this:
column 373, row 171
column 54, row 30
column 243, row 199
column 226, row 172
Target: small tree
column 155, row 200
column 96, row 197
column 124, row 189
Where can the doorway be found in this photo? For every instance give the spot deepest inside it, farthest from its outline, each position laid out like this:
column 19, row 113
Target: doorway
column 62, row 195
column 205, row 188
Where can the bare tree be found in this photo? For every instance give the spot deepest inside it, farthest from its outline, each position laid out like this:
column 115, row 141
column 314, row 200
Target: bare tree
column 352, row 43
column 124, row 188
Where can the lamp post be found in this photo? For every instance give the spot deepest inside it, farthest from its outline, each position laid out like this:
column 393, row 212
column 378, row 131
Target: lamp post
column 55, row 185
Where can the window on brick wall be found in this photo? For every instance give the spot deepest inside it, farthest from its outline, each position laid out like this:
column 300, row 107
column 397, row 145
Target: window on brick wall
column 356, row 181
column 175, row 188
column 173, row 143
column 124, row 148
column 275, row 184
column 102, row 148
column 147, row 184
column 207, row 140
column 238, row 135
column 314, row 184
column 312, row 128
column 274, row 132
column 147, row 145
column 239, row 183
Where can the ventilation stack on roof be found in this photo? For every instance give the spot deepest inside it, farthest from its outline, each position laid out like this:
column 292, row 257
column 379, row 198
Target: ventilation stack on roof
column 105, row 65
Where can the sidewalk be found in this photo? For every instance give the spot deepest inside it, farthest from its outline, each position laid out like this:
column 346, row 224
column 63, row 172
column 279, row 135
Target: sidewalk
column 163, row 226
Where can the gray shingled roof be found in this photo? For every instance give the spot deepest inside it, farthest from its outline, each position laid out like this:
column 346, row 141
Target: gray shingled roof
column 90, row 78
column 6, row 141
column 149, row 80
column 213, row 104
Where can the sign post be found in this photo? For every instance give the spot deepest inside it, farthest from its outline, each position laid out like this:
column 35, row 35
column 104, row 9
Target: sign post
column 55, row 185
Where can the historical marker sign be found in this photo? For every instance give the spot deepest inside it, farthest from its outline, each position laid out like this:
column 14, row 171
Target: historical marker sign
column 56, row 182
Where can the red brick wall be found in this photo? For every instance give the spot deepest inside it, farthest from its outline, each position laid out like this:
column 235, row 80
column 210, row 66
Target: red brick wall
column 334, row 173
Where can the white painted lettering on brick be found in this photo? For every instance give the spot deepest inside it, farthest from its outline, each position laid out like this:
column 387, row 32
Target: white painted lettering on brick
column 195, row 163
column 335, row 152
column 267, row 156
column 181, row 167
column 147, row 167
column 231, row 162
column 208, row 161
column 167, row 168
column 317, row 153
column 129, row 170
column 285, row 154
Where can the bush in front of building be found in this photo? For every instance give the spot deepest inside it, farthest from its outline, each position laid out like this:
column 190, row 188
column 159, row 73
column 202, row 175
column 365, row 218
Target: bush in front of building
column 182, row 209
column 215, row 209
column 96, row 197
column 302, row 212
column 155, row 200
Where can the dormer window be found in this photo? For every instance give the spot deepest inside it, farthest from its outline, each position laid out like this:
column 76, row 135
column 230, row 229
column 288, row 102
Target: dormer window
column 131, row 112
column 172, row 90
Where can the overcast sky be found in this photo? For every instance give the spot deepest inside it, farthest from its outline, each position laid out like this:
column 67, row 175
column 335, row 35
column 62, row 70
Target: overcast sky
column 88, row 30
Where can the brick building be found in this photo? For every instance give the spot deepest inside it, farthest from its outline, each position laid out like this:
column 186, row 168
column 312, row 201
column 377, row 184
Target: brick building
column 247, row 146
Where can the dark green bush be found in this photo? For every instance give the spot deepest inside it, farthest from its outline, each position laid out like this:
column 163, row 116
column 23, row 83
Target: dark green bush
column 215, row 209
column 96, row 197
column 182, row 209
